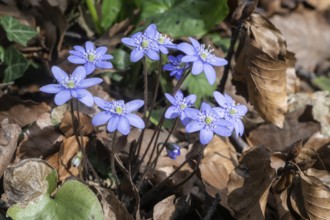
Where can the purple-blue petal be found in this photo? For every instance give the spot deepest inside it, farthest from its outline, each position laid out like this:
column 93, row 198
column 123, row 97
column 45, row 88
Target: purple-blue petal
column 89, row 46
column 163, row 49
column 136, row 55
column 195, row 43
column 242, row 109
column 205, row 136
column 134, row 105
column 123, row 126
column 113, row 123
column 59, row 74
column 106, row 57
column 170, row 98
column 197, row 67
column 89, row 82
column 186, row 48
column 192, row 113
column 51, row 88
column 76, row 59
column 189, row 58
column 191, row 98
column 205, row 107
column 103, row 65
column 178, row 95
column 216, row 61
column 80, row 49
column 128, row 41
column 101, row 103
column 151, row 30
column 101, row 50
column 89, row 67
column 194, row 126
column 223, row 131
column 79, row 73
column 209, row 73
column 62, row 97
column 76, row 53
column 101, row 118
column 135, row 120
column 153, row 55
column 221, row 100
column 168, row 67
column 172, row 112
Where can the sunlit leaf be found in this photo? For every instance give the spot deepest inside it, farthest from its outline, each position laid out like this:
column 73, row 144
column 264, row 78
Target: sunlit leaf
column 16, row 31
column 16, row 64
column 110, row 11
column 73, row 200
column 184, row 17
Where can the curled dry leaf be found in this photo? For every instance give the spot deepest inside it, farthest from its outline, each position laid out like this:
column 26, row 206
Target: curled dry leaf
column 85, row 128
column 26, row 180
column 315, row 188
column 219, row 161
column 40, row 140
column 17, row 110
column 249, row 184
column 321, row 110
column 262, row 62
column 9, row 134
column 165, row 209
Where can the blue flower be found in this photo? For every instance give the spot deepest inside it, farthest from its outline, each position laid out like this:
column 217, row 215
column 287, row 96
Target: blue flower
column 143, row 44
column 173, row 150
column 118, row 115
column 208, row 122
column 230, row 111
column 73, row 86
column 202, row 58
column 90, row 57
column 176, row 66
column 164, row 43
column 180, row 104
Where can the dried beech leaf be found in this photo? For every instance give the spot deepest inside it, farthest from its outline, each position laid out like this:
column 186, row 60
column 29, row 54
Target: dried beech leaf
column 218, row 162
column 26, row 180
column 307, row 34
column 321, row 110
column 85, row 128
column 261, row 63
column 315, row 188
column 9, row 134
column 40, row 140
column 21, row 112
column 165, row 209
column 249, row 184
column 68, row 150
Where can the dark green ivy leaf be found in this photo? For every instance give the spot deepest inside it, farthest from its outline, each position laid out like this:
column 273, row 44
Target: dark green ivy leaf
column 16, row 64
column 16, row 31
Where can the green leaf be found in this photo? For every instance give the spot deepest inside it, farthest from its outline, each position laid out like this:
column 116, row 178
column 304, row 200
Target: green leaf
column 16, row 64
column 110, row 11
column 322, row 82
column 16, row 31
column 121, row 59
column 155, row 118
column 74, row 200
column 184, row 17
column 2, row 54
column 198, row 85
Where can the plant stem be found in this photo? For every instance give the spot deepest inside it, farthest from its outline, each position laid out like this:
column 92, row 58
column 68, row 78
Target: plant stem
column 113, row 152
column 94, row 15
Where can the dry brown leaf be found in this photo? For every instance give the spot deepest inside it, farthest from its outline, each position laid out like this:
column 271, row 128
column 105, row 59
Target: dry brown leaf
column 219, row 161
column 68, row 150
column 307, row 34
column 261, row 63
column 17, row 110
column 281, row 139
column 40, row 140
column 321, row 110
column 249, row 184
column 165, row 209
column 315, row 188
column 26, row 180
column 85, row 128
column 9, row 134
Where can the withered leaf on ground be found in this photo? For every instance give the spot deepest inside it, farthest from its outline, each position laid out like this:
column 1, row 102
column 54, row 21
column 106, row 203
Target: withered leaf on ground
column 9, row 134
column 307, row 34
column 165, row 209
column 249, row 183
column 85, row 128
column 19, row 111
column 262, row 62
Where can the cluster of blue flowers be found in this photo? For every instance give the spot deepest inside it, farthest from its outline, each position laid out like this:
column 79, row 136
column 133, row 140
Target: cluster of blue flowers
column 221, row 120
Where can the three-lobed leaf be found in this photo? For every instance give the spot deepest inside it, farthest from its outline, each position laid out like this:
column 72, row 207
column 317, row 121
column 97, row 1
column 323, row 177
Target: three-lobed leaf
column 16, row 31
column 16, row 64
column 184, row 17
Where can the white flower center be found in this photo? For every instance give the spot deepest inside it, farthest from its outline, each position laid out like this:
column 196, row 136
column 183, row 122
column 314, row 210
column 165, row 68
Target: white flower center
column 205, row 53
